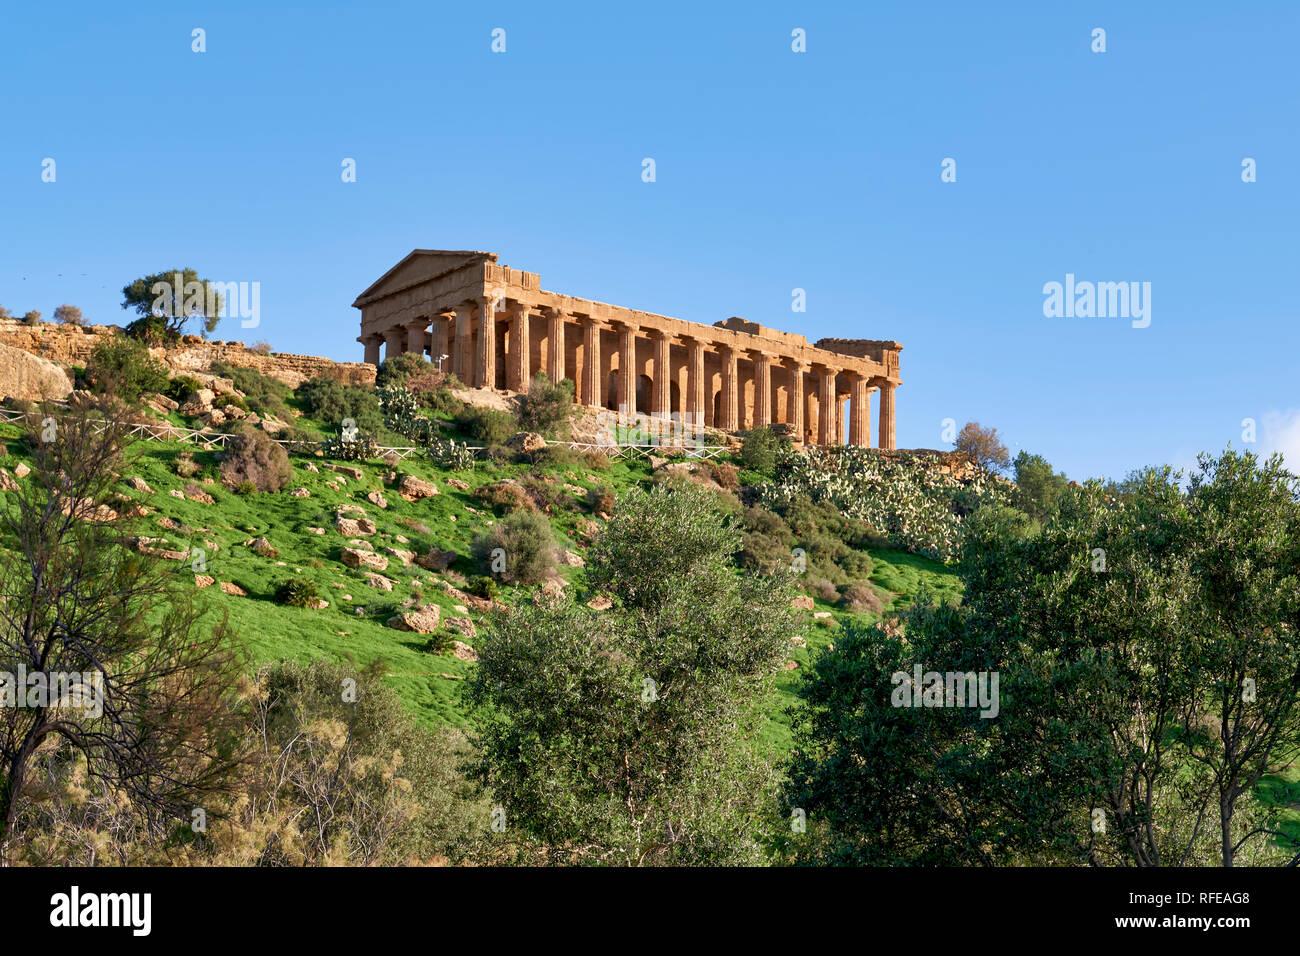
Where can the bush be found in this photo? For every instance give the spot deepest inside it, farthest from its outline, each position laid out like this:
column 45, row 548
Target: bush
column 759, row 449
column 262, row 394
column 68, row 315
column 432, row 389
column 297, row 592
column 358, row 447
column 329, row 400
column 983, row 445
column 394, row 372
column 601, row 500
column 402, row 414
column 123, row 367
column 255, row 458
column 440, row 642
column 32, row 318
column 488, row 425
column 447, row 453
column 5, row 313
column 504, row 497
column 481, row 585
column 182, row 387
column 547, row 408
column 527, row 549
column 186, row 466
column 861, row 599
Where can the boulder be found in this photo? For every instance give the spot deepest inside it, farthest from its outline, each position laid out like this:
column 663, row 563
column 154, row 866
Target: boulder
column 421, row 620
column 356, row 558
column 234, row 589
column 356, row 474
column 377, row 499
column 436, row 560
column 22, row 471
column 464, row 651
column 352, row 527
column 261, row 546
column 526, row 442
column 204, row 581
column 802, row 602
column 461, row 625
column 139, row 484
column 600, row 603
column 412, row 488
column 378, row 581
column 30, row 377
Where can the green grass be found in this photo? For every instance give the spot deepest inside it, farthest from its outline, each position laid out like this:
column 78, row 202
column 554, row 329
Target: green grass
column 352, row 628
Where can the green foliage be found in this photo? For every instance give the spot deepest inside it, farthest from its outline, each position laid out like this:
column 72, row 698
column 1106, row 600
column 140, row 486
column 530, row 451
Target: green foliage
column 625, row 737
column 1038, row 488
column 394, row 372
column 526, row 546
column 488, row 425
column 760, row 448
column 182, row 387
column 32, row 318
column 916, row 506
column 451, row 454
column 164, row 305
column 1148, row 654
column 402, row 414
column 547, row 408
column 297, row 592
column 262, row 394
column 123, row 367
column 329, row 400
column 350, row 446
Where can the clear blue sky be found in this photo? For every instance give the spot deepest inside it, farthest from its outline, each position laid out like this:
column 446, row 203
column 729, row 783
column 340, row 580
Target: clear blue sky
column 775, row 170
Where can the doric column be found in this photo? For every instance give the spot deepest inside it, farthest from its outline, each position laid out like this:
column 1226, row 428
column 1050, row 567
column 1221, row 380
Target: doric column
column 762, row 389
column 415, row 336
column 393, row 340
column 440, row 346
column 730, row 390
column 627, row 368
column 554, row 345
column 520, row 358
column 591, row 378
column 860, row 412
column 795, row 406
column 372, row 342
column 887, row 440
column 462, row 355
column 485, row 363
column 695, row 391
column 661, row 398
column 826, row 405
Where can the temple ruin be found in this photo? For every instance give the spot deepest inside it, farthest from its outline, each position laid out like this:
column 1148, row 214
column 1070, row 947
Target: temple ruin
column 495, row 327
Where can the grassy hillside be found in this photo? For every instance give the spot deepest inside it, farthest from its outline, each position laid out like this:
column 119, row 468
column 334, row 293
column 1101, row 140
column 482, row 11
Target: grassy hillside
column 353, row 627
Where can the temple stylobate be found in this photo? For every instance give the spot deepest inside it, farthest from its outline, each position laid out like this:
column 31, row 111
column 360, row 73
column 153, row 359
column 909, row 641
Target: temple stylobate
column 496, row 327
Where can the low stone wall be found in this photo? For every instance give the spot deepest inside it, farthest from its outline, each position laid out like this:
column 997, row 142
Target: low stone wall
column 71, row 345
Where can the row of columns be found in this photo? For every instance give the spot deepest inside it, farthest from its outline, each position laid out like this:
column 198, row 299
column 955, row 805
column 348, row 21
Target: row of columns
column 476, row 366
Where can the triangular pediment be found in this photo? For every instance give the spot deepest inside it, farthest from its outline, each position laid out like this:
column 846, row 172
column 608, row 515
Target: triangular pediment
column 421, row 265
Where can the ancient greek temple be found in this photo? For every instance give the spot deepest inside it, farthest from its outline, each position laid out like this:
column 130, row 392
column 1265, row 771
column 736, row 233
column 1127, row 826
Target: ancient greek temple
column 495, row 327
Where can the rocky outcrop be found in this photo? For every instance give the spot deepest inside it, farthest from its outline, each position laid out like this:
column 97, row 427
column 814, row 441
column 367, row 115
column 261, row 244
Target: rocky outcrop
column 31, row 378
column 72, row 345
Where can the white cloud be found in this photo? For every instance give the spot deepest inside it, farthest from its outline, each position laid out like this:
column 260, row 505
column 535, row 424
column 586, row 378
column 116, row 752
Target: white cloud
column 1279, row 431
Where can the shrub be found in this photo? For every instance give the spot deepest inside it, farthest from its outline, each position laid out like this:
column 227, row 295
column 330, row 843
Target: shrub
column 504, row 497
column 261, row 348
column 440, row 642
column 402, row 414
column 186, row 466
column 725, row 474
column 262, row 394
column 297, row 592
column 547, row 408
column 357, row 446
column 329, row 400
column 394, row 372
column 448, row 453
column 861, row 598
column 558, row 456
column 123, row 367
column 68, row 315
column 823, row 589
column 527, row 548
column 549, row 496
column 5, row 313
column 488, row 425
column 254, row 458
column 482, row 585
column 432, row 389
column 32, row 318
column 601, row 500
column 759, row 449
column 182, row 387
column 983, row 445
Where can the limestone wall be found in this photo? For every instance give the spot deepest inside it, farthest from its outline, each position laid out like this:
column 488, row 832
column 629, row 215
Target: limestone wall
column 70, row 345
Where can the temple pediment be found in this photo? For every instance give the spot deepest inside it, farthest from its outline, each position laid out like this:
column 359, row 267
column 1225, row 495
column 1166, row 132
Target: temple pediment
column 422, row 265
